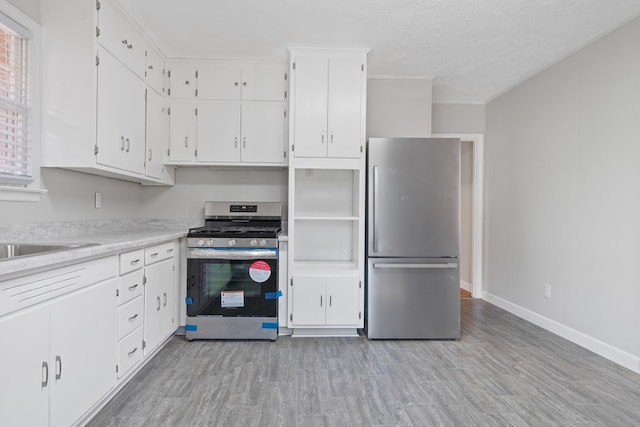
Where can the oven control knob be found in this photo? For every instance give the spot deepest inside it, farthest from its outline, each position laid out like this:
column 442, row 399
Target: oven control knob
column 254, row 242
column 200, row 242
column 210, row 242
column 263, row 243
column 232, row 242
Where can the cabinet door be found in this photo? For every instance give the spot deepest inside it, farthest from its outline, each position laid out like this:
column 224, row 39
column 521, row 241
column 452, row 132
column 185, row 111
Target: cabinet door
column 156, row 303
column 263, row 83
column 157, row 133
column 120, row 122
column 121, row 38
column 263, row 132
column 310, row 106
column 343, row 297
column 345, row 106
column 25, row 385
column 309, row 300
column 182, row 140
column 182, row 83
column 154, row 71
column 83, row 351
column 168, row 298
column 222, row 82
column 218, row 132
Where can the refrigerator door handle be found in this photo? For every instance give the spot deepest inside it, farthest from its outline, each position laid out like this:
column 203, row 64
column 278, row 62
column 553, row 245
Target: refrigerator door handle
column 395, row 265
column 375, row 209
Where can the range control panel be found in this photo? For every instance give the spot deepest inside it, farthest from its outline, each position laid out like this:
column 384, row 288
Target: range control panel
column 243, row 208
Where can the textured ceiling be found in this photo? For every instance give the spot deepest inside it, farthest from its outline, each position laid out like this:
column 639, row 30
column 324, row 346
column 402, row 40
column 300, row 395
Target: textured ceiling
column 474, row 49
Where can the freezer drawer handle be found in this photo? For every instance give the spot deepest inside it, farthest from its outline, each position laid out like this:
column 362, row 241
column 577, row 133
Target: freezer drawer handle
column 388, row 265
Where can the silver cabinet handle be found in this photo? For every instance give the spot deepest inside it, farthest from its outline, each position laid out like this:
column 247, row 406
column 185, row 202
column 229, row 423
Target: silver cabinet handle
column 332, row 137
column 125, row 42
column 134, row 317
column 165, row 299
column 131, row 288
column 329, row 300
column 155, row 254
column 130, row 46
column 158, row 308
column 322, row 137
column 45, row 374
column 169, row 250
column 320, row 300
column 58, row 367
column 374, row 222
column 132, row 352
column 150, row 154
column 421, row 266
column 122, row 143
column 150, row 67
column 235, row 142
column 186, row 142
column 244, row 142
column 128, row 145
column 135, row 261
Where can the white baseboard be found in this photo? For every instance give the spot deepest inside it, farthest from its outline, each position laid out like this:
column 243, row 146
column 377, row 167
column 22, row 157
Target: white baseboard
column 601, row 348
column 466, row 286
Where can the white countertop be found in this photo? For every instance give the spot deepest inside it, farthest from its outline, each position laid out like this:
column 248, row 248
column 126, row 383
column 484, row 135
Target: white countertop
column 108, row 237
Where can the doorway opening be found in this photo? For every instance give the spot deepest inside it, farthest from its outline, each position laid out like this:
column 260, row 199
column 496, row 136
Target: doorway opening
column 472, row 178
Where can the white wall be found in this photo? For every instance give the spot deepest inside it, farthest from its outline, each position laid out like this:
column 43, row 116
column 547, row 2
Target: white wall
column 194, row 186
column 563, row 196
column 71, row 196
column 458, row 118
column 398, row 107
column 29, row 7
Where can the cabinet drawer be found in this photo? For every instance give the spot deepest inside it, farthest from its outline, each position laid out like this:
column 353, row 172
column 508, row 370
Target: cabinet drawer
column 158, row 252
column 130, row 316
column 130, row 286
column 129, row 352
column 131, row 261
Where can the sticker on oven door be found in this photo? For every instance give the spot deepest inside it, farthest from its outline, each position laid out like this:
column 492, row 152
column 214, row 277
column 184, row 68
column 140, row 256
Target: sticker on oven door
column 260, row 271
column 232, row 299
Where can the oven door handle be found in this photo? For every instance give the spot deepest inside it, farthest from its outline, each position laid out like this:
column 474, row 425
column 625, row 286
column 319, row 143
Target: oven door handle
column 231, row 254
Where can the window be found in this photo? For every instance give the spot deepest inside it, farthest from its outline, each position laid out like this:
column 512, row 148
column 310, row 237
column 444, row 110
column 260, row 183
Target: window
column 16, row 158
column 20, row 38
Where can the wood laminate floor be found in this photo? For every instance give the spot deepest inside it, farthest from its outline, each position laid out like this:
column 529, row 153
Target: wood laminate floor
column 503, row 372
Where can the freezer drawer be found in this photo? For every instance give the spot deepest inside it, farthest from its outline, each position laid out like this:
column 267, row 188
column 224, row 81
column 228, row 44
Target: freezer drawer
column 413, row 298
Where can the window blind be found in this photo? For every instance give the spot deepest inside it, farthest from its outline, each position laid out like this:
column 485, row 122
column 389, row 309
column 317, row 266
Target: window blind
column 16, row 157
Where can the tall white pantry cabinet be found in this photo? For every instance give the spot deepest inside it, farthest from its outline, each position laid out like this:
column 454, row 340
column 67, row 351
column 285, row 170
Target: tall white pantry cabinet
column 326, row 191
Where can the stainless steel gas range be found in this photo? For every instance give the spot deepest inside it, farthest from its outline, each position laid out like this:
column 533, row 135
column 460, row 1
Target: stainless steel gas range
column 232, row 272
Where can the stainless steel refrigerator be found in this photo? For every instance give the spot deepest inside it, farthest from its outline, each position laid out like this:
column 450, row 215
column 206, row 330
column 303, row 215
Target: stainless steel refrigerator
column 413, row 233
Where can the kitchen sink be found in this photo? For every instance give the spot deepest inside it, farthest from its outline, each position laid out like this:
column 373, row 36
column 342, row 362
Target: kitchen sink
column 15, row 250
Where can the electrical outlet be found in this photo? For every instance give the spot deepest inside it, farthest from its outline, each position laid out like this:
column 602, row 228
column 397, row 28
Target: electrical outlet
column 98, row 200
column 547, row 290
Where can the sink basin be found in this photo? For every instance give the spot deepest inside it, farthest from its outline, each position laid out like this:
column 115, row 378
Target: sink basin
column 14, row 250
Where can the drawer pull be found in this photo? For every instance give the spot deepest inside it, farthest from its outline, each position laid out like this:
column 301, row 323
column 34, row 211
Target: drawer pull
column 132, row 352
column 169, row 250
column 135, row 261
column 165, row 299
column 155, row 254
column 131, row 288
column 58, row 367
column 132, row 318
column 45, row 374
column 158, row 299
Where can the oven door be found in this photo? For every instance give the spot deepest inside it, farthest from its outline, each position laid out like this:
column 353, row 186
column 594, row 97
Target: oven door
column 232, row 282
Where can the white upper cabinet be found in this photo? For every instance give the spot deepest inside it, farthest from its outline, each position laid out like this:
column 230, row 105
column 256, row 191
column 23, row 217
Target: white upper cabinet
column 328, row 103
column 230, row 82
column 157, row 134
column 95, row 70
column 183, row 82
column 121, row 38
column 228, row 113
column 154, row 72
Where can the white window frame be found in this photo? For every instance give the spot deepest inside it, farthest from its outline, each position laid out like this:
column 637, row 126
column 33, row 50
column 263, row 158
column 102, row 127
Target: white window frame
column 28, row 192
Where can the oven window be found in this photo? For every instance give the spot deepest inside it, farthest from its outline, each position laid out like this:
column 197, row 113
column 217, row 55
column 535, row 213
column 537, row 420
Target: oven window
column 231, row 287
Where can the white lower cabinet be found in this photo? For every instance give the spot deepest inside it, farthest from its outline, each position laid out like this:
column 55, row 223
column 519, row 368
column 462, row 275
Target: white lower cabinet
column 61, row 358
column 325, row 301
column 158, row 304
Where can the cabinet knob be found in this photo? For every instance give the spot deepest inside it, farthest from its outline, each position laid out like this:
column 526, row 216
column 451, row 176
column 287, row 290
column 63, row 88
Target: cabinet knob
column 244, row 83
column 235, row 84
column 125, row 42
column 186, row 82
column 150, row 67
